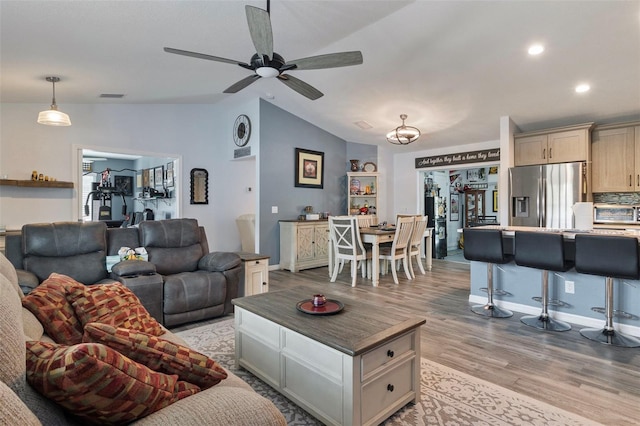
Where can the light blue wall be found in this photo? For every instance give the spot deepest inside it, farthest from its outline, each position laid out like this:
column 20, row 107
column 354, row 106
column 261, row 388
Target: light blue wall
column 280, row 133
column 524, row 283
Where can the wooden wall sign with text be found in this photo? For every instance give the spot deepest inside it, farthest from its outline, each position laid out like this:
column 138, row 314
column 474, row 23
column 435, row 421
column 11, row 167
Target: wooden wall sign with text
column 469, row 157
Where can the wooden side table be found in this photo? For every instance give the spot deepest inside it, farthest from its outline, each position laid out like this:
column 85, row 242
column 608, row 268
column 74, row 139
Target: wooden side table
column 254, row 278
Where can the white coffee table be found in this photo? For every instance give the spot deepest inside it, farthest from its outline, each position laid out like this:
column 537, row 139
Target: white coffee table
column 357, row 367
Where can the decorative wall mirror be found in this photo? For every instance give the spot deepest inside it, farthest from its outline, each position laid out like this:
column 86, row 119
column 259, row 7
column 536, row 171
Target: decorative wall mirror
column 199, row 186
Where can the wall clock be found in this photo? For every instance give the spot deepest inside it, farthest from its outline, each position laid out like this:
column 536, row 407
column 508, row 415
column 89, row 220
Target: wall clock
column 241, row 130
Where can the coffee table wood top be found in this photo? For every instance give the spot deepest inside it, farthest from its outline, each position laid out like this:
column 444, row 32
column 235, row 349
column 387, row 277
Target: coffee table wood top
column 360, row 326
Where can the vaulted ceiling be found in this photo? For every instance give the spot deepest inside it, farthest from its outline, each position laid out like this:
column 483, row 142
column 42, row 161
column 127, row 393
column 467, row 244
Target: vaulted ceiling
column 454, row 67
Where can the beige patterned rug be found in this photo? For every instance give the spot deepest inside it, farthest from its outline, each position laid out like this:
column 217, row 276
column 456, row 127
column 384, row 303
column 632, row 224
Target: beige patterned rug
column 448, row 398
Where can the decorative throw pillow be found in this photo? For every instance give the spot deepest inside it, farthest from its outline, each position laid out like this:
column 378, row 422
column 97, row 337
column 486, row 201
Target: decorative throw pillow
column 113, row 304
column 97, row 383
column 158, row 354
column 48, row 302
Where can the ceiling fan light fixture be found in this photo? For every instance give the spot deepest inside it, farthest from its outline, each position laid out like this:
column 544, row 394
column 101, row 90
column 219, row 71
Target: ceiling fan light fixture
column 403, row 135
column 53, row 117
column 267, row 72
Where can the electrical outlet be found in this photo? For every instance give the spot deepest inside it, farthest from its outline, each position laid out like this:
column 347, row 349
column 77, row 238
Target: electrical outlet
column 569, row 287
column 274, row 209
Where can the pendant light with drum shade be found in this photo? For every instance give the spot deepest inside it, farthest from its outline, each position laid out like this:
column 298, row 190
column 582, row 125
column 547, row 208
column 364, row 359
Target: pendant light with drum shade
column 53, row 117
column 403, row 135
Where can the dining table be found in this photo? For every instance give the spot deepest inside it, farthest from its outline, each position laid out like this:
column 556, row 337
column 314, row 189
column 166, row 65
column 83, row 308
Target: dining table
column 378, row 235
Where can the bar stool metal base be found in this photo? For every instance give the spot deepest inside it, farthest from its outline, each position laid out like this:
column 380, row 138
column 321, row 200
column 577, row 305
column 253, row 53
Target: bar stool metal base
column 493, row 311
column 545, row 323
column 610, row 337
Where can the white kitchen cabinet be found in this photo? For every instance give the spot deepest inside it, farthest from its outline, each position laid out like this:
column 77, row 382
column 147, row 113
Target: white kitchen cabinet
column 559, row 145
column 303, row 244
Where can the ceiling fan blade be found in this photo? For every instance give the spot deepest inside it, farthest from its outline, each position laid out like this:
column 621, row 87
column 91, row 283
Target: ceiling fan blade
column 260, row 29
column 236, row 87
column 301, row 87
column 202, row 56
column 331, row 60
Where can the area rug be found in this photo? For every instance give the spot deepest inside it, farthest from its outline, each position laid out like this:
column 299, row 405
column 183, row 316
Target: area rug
column 448, row 397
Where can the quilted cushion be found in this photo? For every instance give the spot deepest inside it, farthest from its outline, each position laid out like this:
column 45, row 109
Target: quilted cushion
column 97, row 383
column 158, row 354
column 48, row 302
column 113, row 304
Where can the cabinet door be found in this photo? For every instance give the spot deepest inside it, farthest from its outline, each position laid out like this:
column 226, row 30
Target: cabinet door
column 530, row 150
column 564, row 147
column 257, row 277
column 613, row 152
column 321, row 241
column 637, row 157
column 305, row 242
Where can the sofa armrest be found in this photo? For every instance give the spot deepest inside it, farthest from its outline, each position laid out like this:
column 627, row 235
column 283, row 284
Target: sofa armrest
column 148, row 286
column 219, row 261
column 219, row 405
column 128, row 268
column 27, row 280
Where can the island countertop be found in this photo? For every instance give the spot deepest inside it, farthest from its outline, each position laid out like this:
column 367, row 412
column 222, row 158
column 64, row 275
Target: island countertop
column 567, row 233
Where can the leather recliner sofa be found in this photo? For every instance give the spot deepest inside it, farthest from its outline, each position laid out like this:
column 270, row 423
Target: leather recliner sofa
column 191, row 284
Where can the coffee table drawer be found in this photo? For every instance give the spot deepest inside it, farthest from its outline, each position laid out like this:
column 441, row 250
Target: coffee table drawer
column 386, row 353
column 388, row 390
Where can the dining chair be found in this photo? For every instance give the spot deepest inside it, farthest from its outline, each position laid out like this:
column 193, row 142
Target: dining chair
column 366, row 220
column 398, row 251
column 415, row 244
column 347, row 245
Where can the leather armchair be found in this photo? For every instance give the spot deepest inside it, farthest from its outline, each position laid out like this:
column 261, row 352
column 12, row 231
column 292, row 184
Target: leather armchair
column 197, row 284
column 74, row 249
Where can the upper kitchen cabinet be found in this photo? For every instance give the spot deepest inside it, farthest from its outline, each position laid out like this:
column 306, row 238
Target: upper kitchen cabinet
column 616, row 158
column 559, row 145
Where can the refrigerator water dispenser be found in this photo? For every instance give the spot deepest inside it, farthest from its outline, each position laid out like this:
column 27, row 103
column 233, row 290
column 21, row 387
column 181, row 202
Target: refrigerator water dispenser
column 520, row 206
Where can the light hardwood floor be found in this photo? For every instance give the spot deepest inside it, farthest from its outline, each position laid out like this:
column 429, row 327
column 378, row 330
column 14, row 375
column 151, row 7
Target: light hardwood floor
column 599, row 382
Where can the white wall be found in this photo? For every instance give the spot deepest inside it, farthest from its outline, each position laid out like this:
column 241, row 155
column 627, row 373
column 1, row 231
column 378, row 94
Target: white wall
column 201, row 134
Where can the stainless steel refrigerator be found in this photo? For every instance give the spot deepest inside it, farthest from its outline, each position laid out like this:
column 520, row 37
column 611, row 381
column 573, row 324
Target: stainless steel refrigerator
column 543, row 196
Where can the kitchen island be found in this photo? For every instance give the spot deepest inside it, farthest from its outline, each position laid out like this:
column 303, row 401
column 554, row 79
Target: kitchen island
column 577, row 293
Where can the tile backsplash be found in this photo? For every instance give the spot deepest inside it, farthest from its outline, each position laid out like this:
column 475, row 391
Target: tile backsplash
column 617, row 197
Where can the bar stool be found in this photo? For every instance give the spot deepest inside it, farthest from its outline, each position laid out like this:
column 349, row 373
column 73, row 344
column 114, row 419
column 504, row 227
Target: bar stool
column 611, row 257
column 485, row 245
column 544, row 251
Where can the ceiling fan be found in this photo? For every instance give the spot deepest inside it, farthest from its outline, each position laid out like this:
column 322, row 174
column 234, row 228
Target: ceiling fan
column 267, row 63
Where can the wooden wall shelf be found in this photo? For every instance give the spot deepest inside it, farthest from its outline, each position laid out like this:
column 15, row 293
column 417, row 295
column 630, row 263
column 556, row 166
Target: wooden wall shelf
column 36, row 183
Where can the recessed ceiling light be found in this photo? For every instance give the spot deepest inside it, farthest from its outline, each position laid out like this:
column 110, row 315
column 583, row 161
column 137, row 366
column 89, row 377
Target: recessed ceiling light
column 536, row 49
column 581, row 88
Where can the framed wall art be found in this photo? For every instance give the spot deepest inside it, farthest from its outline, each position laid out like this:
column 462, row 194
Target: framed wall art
column 170, row 180
column 159, row 177
column 124, row 184
column 495, row 201
column 199, row 186
column 145, row 178
column 454, row 215
column 152, row 178
column 309, row 169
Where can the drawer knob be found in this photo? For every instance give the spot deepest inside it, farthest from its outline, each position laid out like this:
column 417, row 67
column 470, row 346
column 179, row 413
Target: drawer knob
column 390, row 387
column 390, row 353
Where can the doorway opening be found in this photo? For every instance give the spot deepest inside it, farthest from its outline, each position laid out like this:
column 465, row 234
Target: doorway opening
column 123, row 187
column 458, row 198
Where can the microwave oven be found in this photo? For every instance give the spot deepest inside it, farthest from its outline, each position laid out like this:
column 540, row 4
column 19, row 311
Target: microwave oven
column 615, row 213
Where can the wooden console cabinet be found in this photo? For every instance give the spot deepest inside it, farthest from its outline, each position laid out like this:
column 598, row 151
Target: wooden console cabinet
column 303, row 244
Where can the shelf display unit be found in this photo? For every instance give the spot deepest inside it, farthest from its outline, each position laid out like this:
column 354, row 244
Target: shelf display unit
column 474, row 206
column 362, row 192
